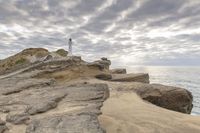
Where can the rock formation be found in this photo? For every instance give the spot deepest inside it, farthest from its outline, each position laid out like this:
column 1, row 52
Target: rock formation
column 57, row 93
column 131, row 77
column 118, row 71
column 173, row 98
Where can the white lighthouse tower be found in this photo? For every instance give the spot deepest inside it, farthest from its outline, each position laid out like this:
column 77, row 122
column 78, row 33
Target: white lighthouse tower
column 70, row 47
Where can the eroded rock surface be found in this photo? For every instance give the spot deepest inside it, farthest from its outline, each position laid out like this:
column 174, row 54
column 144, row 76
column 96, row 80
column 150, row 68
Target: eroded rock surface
column 118, row 71
column 45, row 106
column 172, row 98
column 79, row 123
column 3, row 126
column 48, row 96
column 144, row 78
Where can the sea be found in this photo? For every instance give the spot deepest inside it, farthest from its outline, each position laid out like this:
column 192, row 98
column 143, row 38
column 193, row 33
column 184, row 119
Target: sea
column 187, row 77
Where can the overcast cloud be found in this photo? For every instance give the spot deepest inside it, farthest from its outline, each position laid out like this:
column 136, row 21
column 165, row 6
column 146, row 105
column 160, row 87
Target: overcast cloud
column 129, row 32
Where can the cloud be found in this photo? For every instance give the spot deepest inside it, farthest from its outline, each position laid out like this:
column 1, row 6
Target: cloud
column 129, row 32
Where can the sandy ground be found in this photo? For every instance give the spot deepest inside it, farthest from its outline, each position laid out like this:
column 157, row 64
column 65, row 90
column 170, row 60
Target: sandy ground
column 125, row 112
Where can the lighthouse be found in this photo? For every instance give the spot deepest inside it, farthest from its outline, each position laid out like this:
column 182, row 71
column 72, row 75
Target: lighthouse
column 70, row 47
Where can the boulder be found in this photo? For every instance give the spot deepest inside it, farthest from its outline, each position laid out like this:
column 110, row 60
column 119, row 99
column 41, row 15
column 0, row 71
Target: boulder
column 104, row 63
column 172, row 98
column 141, row 77
column 118, row 71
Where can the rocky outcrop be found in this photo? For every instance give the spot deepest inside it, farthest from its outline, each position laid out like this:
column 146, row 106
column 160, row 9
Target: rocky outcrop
column 172, row 98
column 22, row 59
column 118, row 71
column 58, row 93
column 103, row 64
column 44, row 105
column 42, row 97
column 144, row 78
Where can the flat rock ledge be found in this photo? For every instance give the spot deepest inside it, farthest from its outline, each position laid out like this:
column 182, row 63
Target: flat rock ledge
column 118, row 71
column 141, row 77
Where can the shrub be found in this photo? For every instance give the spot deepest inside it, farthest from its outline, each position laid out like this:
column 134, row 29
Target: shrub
column 20, row 61
column 62, row 52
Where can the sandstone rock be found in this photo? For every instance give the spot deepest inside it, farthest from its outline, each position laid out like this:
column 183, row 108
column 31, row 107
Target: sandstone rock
column 104, row 63
column 118, row 71
column 3, row 126
column 48, row 57
column 172, row 98
column 29, row 99
column 2, row 122
column 97, row 65
column 47, row 106
column 76, row 58
column 17, row 118
column 130, row 78
column 4, row 110
column 104, row 76
column 104, row 58
column 79, row 123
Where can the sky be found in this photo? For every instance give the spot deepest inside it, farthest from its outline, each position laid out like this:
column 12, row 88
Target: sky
column 128, row 32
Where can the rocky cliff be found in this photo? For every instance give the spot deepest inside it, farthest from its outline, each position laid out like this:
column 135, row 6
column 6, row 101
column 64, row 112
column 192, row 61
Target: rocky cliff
column 49, row 92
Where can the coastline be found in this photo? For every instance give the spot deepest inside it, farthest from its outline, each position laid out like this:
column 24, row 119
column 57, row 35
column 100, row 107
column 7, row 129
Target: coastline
column 61, row 93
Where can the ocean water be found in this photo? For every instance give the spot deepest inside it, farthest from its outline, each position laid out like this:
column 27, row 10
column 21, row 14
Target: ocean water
column 187, row 77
